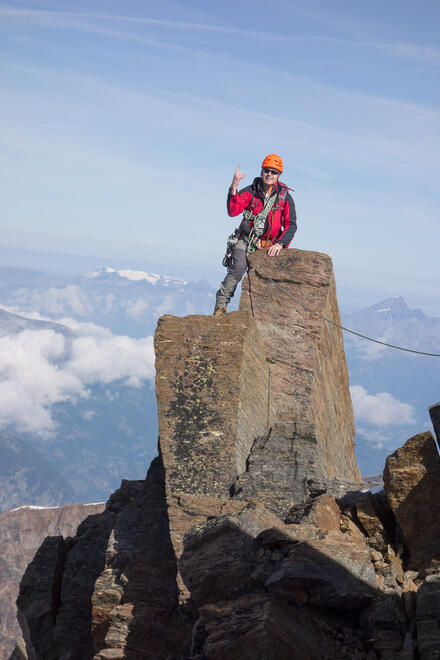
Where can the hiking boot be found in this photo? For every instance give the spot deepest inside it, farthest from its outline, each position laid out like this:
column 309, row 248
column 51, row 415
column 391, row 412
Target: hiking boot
column 218, row 310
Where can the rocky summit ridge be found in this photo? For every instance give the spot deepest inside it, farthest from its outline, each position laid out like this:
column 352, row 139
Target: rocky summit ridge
column 252, row 536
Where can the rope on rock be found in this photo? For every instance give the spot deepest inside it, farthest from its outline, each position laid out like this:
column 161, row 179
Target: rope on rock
column 353, row 332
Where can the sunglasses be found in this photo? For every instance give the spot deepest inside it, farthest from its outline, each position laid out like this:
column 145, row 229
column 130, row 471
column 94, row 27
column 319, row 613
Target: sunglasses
column 266, row 170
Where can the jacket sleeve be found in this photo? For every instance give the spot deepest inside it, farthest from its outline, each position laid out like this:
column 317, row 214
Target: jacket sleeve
column 238, row 202
column 289, row 222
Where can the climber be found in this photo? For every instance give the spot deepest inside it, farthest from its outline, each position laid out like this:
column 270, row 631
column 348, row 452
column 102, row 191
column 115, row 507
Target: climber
column 269, row 222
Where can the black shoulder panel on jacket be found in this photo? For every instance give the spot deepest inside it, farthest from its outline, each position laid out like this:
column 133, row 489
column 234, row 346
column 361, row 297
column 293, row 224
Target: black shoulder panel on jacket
column 289, row 198
column 247, row 189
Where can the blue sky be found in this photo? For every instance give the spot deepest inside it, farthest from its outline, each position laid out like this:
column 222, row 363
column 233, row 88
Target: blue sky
column 122, row 123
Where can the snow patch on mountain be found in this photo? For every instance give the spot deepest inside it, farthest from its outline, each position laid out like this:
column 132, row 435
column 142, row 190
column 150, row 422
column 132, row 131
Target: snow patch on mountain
column 33, row 507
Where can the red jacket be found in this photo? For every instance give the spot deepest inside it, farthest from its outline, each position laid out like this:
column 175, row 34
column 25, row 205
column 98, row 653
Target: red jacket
column 281, row 221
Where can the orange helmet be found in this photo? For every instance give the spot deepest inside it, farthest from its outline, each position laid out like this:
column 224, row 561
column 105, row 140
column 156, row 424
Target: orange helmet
column 272, row 160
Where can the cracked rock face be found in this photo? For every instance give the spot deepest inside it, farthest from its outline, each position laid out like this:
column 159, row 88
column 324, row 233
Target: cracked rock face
column 251, row 536
column 308, row 371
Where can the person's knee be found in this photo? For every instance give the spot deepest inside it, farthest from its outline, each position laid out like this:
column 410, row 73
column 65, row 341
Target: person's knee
column 235, row 273
column 229, row 284
column 239, row 264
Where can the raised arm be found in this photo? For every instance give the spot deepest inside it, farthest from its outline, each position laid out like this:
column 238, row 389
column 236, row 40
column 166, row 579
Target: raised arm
column 237, row 202
column 237, row 178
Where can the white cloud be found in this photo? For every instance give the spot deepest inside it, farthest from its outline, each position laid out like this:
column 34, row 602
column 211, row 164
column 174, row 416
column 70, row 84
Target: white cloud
column 381, row 408
column 80, row 328
column 39, row 368
column 55, row 301
column 360, row 34
column 92, row 22
column 106, row 360
column 423, row 54
column 123, row 426
column 367, row 350
column 136, row 308
column 166, row 306
column 379, row 439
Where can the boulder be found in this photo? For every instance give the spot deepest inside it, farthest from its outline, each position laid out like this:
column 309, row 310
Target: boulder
column 332, row 572
column 412, row 485
column 260, row 627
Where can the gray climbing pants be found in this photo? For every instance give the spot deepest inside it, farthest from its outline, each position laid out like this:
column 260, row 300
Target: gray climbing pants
column 235, row 272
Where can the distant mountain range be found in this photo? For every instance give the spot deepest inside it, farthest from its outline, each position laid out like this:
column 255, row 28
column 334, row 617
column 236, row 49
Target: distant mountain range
column 26, row 476
column 392, row 320
column 73, row 352
column 412, row 381
column 127, row 302
column 14, row 323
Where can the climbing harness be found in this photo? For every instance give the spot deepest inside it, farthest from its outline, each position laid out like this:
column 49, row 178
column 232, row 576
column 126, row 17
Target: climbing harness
column 259, row 222
column 253, row 240
column 337, row 325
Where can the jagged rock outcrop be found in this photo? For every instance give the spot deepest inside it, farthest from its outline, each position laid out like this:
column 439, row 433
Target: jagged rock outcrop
column 22, row 531
column 412, row 483
column 251, row 536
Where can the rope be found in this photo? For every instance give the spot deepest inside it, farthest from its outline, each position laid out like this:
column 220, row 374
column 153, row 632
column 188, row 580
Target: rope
column 353, row 332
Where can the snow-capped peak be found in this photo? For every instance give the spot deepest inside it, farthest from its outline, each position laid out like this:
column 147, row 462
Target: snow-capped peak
column 136, row 275
column 100, row 271
column 391, row 309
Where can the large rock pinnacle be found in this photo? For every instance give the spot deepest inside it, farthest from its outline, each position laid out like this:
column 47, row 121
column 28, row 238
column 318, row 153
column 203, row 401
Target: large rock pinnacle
column 255, row 403
column 249, row 537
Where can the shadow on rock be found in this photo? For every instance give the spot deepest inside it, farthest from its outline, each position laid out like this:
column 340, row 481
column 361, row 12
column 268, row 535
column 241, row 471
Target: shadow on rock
column 141, row 614
column 268, row 590
column 54, row 604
